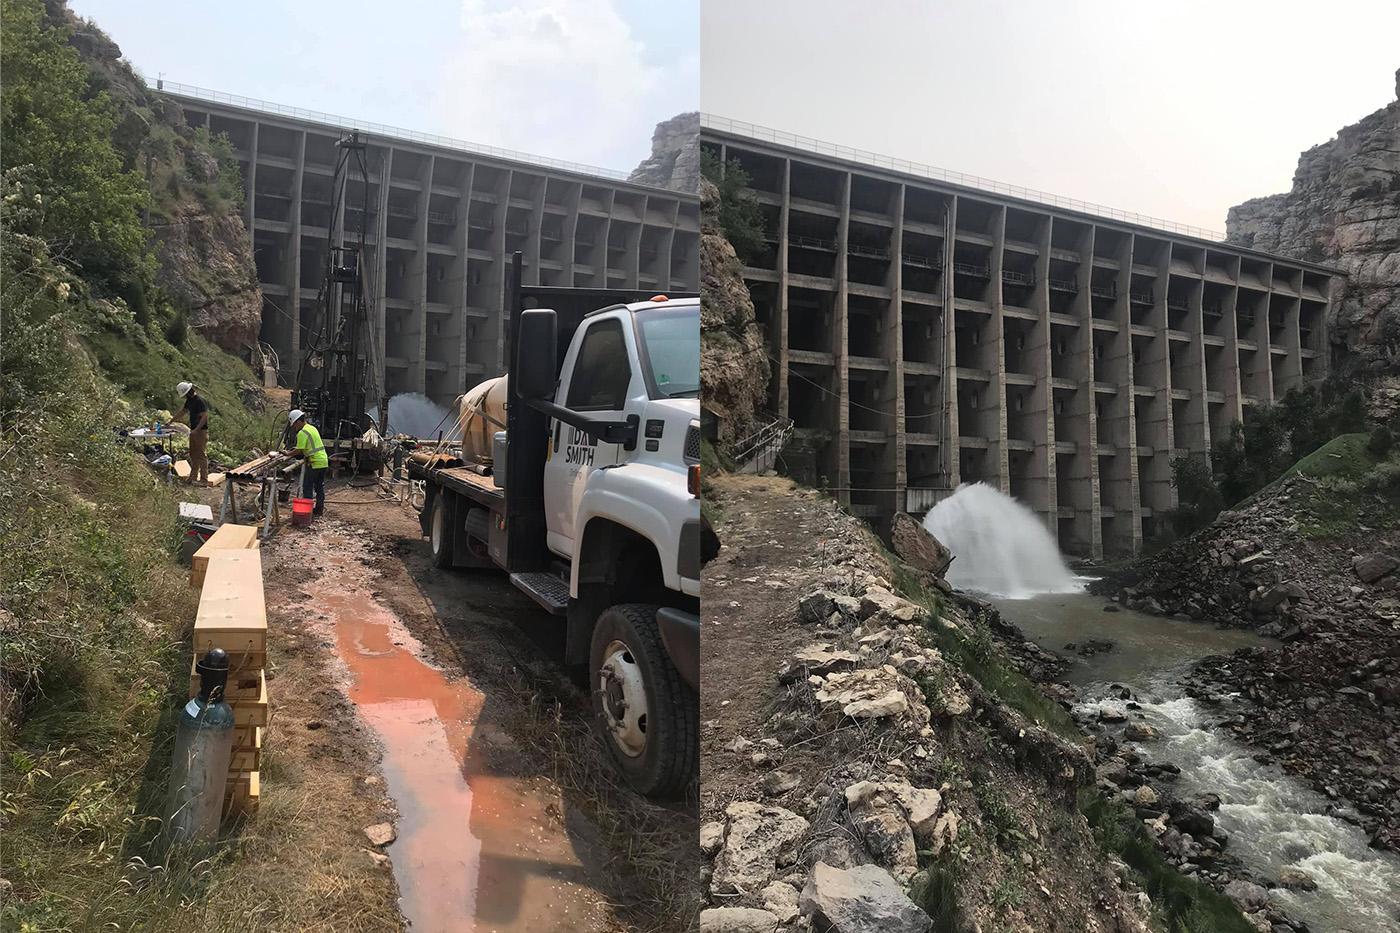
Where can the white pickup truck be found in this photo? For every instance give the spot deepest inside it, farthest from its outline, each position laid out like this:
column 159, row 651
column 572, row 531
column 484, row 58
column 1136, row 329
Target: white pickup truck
column 592, row 506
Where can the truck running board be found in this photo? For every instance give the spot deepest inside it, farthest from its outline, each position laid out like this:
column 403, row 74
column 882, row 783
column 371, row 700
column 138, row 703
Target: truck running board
column 547, row 589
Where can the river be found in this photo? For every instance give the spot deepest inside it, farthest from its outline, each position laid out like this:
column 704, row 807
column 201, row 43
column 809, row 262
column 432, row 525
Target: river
column 1274, row 820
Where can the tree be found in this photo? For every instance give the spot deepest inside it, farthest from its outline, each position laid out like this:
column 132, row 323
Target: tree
column 1198, row 498
column 52, row 119
column 740, row 215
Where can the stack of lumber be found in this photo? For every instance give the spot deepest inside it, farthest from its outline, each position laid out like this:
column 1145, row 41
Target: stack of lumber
column 229, row 537
column 233, row 616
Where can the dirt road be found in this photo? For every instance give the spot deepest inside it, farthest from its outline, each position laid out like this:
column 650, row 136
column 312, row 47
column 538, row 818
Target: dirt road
column 506, row 818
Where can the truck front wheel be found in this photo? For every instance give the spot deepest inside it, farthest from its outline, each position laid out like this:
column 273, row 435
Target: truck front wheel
column 646, row 714
column 440, row 531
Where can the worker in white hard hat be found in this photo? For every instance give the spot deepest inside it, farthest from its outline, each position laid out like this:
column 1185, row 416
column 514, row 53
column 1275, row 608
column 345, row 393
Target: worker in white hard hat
column 309, row 445
column 194, row 411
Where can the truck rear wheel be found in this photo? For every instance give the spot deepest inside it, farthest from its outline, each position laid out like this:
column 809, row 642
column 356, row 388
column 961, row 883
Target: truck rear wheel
column 440, row 531
column 645, row 713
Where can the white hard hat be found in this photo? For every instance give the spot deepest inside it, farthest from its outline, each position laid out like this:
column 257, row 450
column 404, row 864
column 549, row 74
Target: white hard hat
column 183, row 389
column 295, row 415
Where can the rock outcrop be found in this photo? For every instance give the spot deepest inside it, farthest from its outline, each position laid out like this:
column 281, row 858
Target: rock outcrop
column 675, row 155
column 204, row 253
column 733, row 358
column 1344, row 210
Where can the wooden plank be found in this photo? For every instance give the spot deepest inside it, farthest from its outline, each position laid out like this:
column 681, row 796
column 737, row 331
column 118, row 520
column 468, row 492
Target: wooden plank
column 242, row 794
column 216, row 479
column 182, row 469
column 232, row 612
column 251, row 712
column 229, row 537
column 249, row 757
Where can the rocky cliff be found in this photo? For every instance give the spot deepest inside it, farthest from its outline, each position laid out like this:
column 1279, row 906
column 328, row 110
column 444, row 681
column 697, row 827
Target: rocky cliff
column 733, row 360
column 675, row 155
column 205, row 257
column 1344, row 210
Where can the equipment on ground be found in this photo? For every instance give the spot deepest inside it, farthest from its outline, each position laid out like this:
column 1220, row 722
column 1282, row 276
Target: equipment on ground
column 199, row 766
column 338, row 374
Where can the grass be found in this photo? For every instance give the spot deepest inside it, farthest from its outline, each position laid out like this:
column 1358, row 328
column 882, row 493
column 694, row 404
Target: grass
column 1183, row 904
column 147, row 368
column 1345, row 457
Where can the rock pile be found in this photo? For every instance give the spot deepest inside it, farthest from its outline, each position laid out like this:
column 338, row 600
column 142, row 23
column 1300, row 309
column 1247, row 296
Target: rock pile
column 848, row 846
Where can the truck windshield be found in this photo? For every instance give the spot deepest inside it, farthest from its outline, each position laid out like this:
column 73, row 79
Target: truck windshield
column 670, row 342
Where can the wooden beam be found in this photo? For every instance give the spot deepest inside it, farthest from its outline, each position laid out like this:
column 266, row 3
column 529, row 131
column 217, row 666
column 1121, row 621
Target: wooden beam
column 229, row 537
column 232, row 612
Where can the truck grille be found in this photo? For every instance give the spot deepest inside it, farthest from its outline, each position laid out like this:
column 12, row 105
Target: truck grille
column 692, row 444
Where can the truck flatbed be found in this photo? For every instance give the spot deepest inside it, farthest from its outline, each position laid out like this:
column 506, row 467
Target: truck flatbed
column 462, row 479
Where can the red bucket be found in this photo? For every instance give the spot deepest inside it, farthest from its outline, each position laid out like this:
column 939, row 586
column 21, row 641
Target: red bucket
column 301, row 510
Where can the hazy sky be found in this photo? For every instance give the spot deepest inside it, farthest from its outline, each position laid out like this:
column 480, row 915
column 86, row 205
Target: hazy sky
column 1174, row 109
column 583, row 80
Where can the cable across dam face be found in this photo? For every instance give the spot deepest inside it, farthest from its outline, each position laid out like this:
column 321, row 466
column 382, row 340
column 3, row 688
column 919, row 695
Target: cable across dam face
column 926, row 333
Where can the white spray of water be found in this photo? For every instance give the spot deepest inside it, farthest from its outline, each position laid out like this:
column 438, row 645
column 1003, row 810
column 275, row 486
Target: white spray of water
column 416, row 415
column 999, row 546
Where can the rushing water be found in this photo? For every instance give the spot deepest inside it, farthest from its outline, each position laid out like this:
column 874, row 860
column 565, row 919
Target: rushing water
column 416, row 415
column 1274, row 821
column 999, row 546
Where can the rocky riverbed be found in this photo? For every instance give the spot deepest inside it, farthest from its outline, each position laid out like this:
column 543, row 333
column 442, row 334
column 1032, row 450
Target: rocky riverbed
column 1325, row 704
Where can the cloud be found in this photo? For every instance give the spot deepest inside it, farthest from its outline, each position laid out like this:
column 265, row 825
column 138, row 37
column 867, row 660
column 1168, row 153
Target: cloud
column 569, row 79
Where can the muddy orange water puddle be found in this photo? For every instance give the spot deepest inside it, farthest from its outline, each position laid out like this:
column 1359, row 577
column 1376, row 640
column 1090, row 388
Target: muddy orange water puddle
column 475, row 851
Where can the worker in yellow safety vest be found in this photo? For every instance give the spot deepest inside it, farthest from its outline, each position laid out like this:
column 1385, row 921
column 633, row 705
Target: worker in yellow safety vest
column 309, row 445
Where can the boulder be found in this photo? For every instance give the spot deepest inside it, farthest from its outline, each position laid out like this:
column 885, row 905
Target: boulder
column 780, row 899
column 758, row 840
column 711, row 838
column 1295, row 879
column 1371, row 567
column 1145, row 796
column 1246, row 894
column 816, row 608
column 919, row 548
column 1192, row 819
column 888, row 837
column 1139, row 732
column 381, row 834
column 873, row 693
column 824, row 658
column 737, row 920
column 864, row 899
column 1280, row 593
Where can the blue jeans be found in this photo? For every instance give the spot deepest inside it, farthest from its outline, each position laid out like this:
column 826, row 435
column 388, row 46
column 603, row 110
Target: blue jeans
column 315, row 482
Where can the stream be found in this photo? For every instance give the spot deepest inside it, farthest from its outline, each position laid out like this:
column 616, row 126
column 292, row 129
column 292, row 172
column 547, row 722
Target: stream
column 1274, row 820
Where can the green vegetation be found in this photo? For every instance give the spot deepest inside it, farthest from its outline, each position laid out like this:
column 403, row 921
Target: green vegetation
column 1259, row 450
column 1183, row 904
column 93, row 605
column 56, row 126
column 976, row 652
column 740, row 215
column 935, row 889
column 1353, row 485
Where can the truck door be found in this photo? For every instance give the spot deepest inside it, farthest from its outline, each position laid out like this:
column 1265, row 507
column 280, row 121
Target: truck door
column 596, row 380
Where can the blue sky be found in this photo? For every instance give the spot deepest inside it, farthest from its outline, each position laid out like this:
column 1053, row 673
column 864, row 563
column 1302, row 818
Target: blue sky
column 583, row 80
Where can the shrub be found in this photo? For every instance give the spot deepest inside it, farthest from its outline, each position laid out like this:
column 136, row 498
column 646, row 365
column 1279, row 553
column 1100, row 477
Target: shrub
column 740, row 216
column 1199, row 499
column 1380, row 443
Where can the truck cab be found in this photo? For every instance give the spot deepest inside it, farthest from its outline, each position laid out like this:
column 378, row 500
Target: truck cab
column 592, row 506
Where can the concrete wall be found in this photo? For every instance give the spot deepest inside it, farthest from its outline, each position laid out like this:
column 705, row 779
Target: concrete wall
column 929, row 334
column 440, row 227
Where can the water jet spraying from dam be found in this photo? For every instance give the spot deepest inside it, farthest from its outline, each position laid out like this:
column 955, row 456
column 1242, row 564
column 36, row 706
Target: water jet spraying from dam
column 999, row 546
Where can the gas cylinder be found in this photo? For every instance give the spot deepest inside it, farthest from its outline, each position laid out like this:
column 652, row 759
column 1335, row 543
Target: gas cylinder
column 199, row 766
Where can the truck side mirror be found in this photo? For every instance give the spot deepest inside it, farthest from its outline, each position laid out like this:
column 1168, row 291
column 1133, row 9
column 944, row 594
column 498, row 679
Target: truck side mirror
column 534, row 374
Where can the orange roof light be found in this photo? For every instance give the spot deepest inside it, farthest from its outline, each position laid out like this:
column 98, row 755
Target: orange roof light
column 659, row 298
